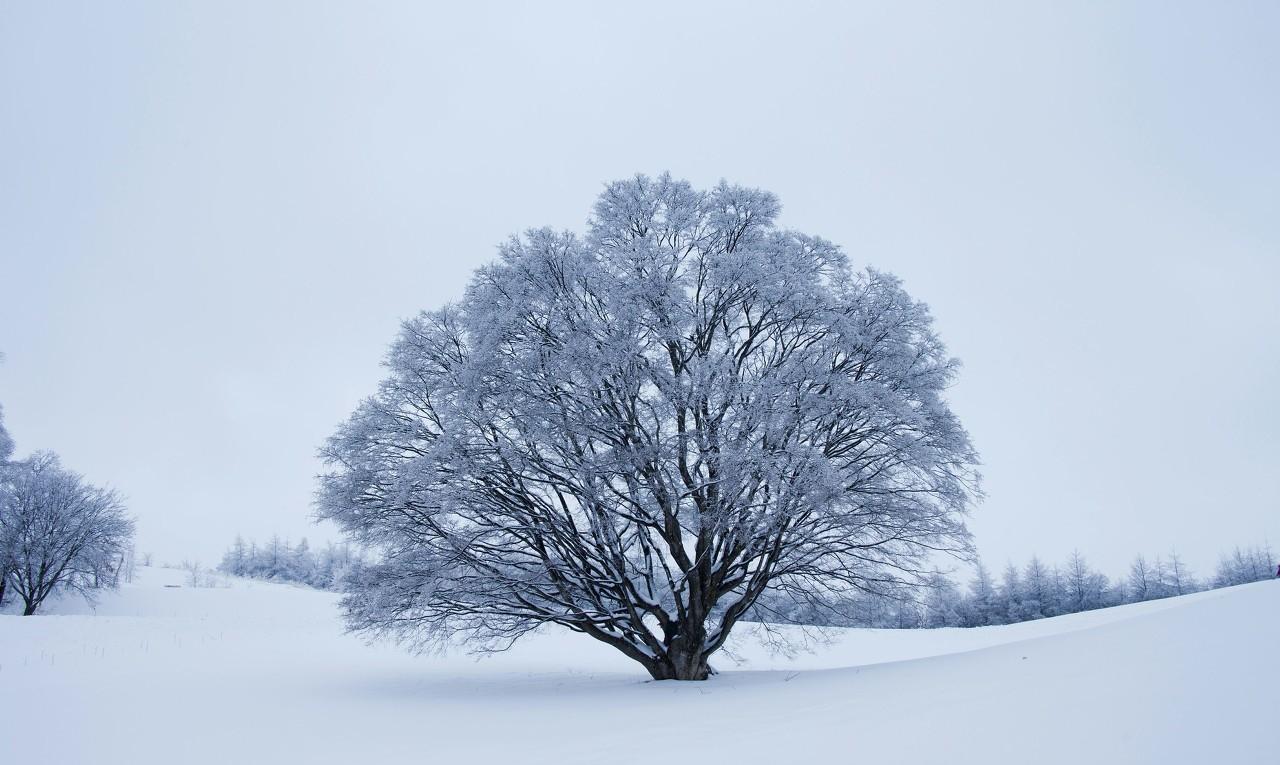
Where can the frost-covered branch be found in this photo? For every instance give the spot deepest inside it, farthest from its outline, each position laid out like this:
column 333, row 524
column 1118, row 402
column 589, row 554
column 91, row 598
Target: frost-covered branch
column 637, row 433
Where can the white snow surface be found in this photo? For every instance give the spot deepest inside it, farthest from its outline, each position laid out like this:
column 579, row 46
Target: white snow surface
column 258, row 672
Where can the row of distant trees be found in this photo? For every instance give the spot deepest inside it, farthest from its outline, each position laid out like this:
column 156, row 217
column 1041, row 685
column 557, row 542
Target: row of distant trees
column 280, row 561
column 1023, row 593
column 58, row 532
column 1037, row 590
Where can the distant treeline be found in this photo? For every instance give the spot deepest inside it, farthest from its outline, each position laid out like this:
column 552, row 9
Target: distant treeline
column 1033, row 591
column 280, row 561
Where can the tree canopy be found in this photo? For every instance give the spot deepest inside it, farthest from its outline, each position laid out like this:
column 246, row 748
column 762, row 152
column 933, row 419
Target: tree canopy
column 637, row 432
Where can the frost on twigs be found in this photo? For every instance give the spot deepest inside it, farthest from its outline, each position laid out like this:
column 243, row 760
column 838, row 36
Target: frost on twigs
column 637, row 432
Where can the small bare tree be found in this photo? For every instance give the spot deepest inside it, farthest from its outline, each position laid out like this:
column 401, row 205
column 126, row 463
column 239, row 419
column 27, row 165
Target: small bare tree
column 636, row 434
column 128, row 564
column 59, row 531
column 1180, row 579
column 194, row 572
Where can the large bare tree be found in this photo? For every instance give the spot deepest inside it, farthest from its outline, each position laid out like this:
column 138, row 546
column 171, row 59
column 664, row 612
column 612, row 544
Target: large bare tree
column 636, row 433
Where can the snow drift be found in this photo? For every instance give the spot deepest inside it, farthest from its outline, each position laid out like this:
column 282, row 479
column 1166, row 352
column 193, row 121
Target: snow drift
column 259, row 672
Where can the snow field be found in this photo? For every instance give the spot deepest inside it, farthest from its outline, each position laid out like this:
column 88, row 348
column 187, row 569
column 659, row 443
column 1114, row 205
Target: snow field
column 260, row 672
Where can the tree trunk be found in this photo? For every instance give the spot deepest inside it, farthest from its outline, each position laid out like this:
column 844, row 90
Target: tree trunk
column 681, row 664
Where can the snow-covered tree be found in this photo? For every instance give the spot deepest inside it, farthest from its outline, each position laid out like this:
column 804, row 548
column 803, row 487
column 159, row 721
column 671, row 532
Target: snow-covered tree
column 1160, row 586
column 196, row 573
column 1245, row 565
column 333, row 565
column 637, row 433
column 1178, row 578
column 236, row 560
column 1038, row 597
column 1011, row 595
column 1118, row 594
column 1141, row 580
column 6, row 556
column 942, row 603
column 273, row 558
column 6, row 441
column 300, row 564
column 129, row 563
column 60, row 531
column 982, row 606
column 281, row 562
column 1085, row 589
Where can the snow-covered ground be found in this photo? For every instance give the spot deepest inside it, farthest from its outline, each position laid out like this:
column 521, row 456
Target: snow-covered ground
column 261, row 672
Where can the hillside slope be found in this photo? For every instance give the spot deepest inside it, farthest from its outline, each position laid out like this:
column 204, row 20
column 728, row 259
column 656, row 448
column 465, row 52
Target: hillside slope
column 261, row 672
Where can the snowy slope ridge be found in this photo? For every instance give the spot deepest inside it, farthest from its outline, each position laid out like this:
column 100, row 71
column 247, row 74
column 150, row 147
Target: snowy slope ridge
column 262, row 673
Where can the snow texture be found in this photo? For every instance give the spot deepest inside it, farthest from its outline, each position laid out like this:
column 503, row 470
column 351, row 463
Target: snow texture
column 260, row 672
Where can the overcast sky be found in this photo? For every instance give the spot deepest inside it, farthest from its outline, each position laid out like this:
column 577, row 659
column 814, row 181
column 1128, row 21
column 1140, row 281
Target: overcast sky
column 213, row 217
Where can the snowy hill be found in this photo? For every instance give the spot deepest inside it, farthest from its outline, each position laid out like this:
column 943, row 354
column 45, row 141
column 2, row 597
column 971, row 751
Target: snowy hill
column 261, row 672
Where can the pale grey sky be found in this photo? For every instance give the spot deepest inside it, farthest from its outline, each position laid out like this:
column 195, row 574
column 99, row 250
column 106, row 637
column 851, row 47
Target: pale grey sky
column 213, row 216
